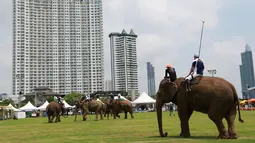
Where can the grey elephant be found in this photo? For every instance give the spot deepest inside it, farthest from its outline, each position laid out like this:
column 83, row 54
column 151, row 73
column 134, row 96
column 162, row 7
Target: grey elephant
column 93, row 105
column 210, row 95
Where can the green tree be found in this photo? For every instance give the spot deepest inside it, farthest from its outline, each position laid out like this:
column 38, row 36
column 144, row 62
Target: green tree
column 71, row 97
column 50, row 99
column 6, row 102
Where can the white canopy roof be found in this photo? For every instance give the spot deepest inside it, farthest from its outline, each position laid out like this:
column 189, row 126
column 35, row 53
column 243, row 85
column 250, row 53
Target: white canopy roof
column 144, row 98
column 13, row 108
column 67, row 105
column 43, row 107
column 28, row 107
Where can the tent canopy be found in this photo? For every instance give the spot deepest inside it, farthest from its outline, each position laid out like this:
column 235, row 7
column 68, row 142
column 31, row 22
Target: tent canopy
column 13, row 108
column 67, row 105
column 144, row 98
column 28, row 107
column 43, row 107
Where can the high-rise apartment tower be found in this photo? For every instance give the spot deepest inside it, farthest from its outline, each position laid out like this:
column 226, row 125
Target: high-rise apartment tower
column 124, row 73
column 58, row 44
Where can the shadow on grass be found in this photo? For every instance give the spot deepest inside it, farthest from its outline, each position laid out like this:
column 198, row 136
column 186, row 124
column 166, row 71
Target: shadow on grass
column 192, row 137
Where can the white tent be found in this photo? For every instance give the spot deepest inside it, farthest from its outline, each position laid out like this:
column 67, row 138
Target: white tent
column 144, row 98
column 12, row 108
column 67, row 105
column 28, row 107
column 43, row 107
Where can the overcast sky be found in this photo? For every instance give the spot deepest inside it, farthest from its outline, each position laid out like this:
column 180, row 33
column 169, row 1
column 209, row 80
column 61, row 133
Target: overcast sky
column 168, row 32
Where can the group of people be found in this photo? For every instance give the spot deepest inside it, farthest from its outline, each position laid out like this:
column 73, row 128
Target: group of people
column 197, row 69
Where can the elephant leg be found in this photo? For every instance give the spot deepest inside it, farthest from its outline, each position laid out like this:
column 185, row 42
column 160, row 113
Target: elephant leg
column 114, row 115
column 101, row 115
column 230, row 117
column 131, row 113
column 221, row 128
column 84, row 117
column 184, row 116
column 125, row 115
column 216, row 114
column 59, row 118
column 96, row 115
column 49, row 120
column 188, row 115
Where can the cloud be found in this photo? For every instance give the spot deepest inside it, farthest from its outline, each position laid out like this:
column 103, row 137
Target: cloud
column 166, row 30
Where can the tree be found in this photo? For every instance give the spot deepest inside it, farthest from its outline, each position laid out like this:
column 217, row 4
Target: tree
column 6, row 102
column 50, row 99
column 71, row 97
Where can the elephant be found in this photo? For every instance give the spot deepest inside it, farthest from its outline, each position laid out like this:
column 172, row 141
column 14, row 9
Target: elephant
column 214, row 96
column 93, row 105
column 118, row 105
column 107, row 109
column 78, row 105
column 54, row 109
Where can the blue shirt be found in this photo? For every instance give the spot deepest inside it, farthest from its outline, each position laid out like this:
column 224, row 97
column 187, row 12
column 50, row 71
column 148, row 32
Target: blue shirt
column 199, row 66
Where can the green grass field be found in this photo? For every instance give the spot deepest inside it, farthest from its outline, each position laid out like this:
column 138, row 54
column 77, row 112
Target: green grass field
column 142, row 129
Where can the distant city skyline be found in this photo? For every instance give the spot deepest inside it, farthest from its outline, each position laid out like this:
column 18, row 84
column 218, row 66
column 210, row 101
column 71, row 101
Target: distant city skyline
column 247, row 71
column 151, row 79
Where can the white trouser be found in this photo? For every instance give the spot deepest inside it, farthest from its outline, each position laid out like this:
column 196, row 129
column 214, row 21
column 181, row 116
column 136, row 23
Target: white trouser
column 194, row 76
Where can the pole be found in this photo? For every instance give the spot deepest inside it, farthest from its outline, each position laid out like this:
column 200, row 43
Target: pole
column 201, row 38
column 212, row 72
column 20, row 77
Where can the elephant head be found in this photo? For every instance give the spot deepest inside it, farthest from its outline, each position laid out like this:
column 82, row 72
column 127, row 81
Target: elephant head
column 165, row 94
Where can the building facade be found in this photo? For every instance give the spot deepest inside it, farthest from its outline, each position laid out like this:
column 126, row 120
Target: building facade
column 151, row 79
column 124, row 73
column 108, row 85
column 250, row 93
column 58, row 44
column 247, row 70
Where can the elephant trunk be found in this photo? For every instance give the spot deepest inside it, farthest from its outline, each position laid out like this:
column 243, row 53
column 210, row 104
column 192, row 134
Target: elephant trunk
column 75, row 112
column 159, row 105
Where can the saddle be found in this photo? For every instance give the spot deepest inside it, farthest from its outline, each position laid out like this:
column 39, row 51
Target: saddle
column 193, row 81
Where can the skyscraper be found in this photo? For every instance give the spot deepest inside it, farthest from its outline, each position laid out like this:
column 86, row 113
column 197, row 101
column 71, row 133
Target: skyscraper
column 124, row 61
column 151, row 79
column 247, row 70
column 58, row 44
column 108, row 85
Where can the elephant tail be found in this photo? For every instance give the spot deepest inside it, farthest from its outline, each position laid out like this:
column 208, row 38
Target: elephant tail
column 237, row 102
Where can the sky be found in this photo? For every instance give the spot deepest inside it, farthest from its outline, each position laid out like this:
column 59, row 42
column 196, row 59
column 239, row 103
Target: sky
column 168, row 33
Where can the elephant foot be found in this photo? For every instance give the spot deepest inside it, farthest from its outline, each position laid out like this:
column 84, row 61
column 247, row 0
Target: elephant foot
column 232, row 136
column 164, row 135
column 223, row 136
column 185, row 135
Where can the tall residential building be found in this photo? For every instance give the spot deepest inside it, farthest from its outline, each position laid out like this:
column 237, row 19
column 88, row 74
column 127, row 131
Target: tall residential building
column 124, row 73
column 247, row 70
column 151, row 79
column 108, row 85
column 58, row 44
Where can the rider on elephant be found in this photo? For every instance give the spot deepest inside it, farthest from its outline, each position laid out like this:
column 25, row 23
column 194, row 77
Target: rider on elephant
column 196, row 70
column 58, row 99
column 171, row 73
column 120, row 97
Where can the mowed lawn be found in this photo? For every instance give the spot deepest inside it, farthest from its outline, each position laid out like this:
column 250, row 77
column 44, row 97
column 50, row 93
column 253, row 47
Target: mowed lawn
column 142, row 129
